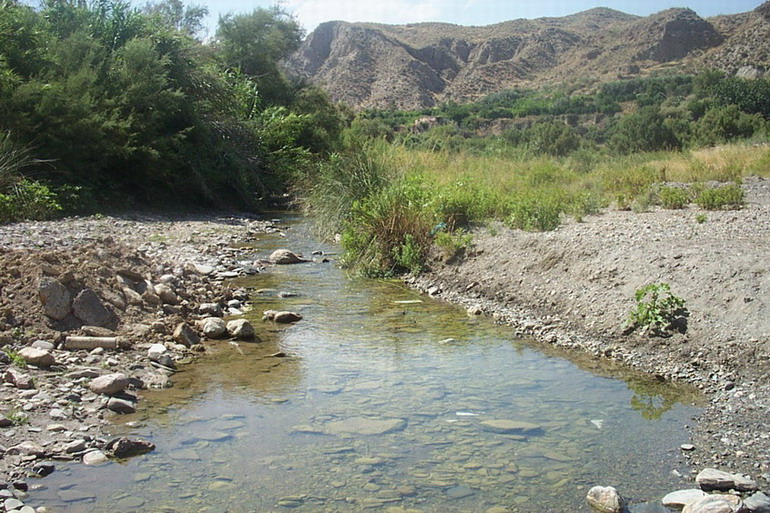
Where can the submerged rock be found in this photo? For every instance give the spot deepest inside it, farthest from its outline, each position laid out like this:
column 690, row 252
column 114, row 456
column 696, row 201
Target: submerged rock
column 365, row 426
column 506, row 426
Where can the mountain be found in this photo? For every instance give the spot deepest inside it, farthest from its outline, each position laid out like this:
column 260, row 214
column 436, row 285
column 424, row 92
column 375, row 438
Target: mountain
column 369, row 65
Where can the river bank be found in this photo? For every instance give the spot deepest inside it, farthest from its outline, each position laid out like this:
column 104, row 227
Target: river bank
column 103, row 296
column 574, row 288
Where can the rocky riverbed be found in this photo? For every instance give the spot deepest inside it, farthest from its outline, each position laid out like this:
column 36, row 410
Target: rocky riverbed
column 574, row 288
column 92, row 312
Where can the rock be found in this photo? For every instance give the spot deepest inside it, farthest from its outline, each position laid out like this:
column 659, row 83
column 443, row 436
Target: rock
column 37, row 357
column 712, row 479
column 156, row 351
column 606, row 499
column 89, row 308
column 42, row 344
column 185, row 335
column 57, row 414
column 11, row 504
column 166, row 360
column 18, row 379
column 506, row 426
column 27, row 449
column 167, row 294
column 286, row 317
column 126, row 447
column 475, row 310
column 121, row 405
column 55, row 298
column 212, row 309
column 758, row 503
column 240, row 329
column 204, row 269
column 214, row 327
column 75, row 446
column 682, row 498
column 95, row 457
column 109, row 384
column 716, row 504
column 132, row 297
column 5, row 421
column 459, row 492
column 269, row 315
column 41, row 470
column 365, row 426
column 285, row 257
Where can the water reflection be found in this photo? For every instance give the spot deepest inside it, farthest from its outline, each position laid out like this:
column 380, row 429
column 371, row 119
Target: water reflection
column 388, row 400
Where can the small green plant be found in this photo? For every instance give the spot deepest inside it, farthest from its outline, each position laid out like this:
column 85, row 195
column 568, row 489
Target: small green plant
column 409, row 255
column 720, row 198
column 673, row 198
column 18, row 418
column 657, row 310
column 536, row 213
column 16, row 359
column 701, row 218
column 451, row 244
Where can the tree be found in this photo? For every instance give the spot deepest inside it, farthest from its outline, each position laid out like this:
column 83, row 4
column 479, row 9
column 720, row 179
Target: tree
column 255, row 43
column 644, row 130
column 726, row 124
column 554, row 138
column 174, row 14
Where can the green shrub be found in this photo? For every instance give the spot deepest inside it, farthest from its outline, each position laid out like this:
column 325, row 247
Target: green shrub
column 452, row 244
column 674, row 198
column 719, row 198
column 388, row 232
column 28, row 200
column 657, row 310
column 537, row 212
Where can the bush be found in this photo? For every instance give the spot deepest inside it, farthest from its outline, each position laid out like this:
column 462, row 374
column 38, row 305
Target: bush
column 452, row 244
column 537, row 212
column 674, row 198
column 657, row 310
column 28, row 200
column 719, row 198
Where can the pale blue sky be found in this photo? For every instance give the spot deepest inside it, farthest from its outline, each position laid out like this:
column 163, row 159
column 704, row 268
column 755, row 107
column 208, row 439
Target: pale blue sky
column 464, row 12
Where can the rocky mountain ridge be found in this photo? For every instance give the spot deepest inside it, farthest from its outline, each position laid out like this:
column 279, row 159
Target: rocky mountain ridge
column 413, row 66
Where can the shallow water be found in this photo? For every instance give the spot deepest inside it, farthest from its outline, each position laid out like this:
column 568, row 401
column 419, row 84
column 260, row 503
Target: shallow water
column 375, row 409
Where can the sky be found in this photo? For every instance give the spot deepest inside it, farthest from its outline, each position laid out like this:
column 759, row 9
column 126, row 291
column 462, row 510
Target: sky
column 462, row 12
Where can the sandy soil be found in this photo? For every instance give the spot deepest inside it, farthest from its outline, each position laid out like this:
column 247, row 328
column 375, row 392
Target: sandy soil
column 574, row 287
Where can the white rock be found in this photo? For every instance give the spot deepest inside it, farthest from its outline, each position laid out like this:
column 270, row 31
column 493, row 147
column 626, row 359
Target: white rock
column 214, row 327
column 156, row 351
column 240, row 329
column 606, row 499
column 95, row 457
column 682, row 498
column 109, row 384
column 37, row 357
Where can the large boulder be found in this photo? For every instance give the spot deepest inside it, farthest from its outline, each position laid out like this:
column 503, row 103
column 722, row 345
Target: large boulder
column 285, row 257
column 682, row 498
column 89, row 308
column 286, row 317
column 214, row 327
column 185, row 335
column 55, row 298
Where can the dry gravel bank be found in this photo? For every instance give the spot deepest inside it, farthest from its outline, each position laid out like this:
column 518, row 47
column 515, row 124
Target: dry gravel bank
column 574, row 288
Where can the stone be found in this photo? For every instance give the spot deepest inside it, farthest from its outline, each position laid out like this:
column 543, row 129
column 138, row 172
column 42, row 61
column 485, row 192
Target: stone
column 204, row 269
column 212, row 309
column 285, row 257
column 42, row 344
column 18, row 379
column 155, row 351
column 167, row 294
column 55, row 298
column 185, row 335
column 89, row 308
column 95, row 457
column 240, row 329
column 109, row 384
column 11, row 504
column 214, row 327
column 606, row 499
column 37, row 357
column 27, row 449
column 712, row 479
column 75, row 446
column 475, row 310
column 758, row 503
column 5, row 421
column 459, row 492
column 57, row 414
column 286, row 317
column 716, row 504
column 42, row 470
column 506, row 426
column 126, row 447
column 682, row 498
column 132, row 297
column 121, row 405
column 364, row 426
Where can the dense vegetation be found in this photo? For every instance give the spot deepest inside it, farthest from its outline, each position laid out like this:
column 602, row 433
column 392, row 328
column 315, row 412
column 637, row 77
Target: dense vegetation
column 528, row 158
column 104, row 104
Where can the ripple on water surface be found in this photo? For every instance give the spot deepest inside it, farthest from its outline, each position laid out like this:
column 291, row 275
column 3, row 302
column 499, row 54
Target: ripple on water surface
column 388, row 401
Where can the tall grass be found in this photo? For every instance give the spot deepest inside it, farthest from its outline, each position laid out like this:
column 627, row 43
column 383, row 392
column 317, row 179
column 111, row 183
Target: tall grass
column 389, row 201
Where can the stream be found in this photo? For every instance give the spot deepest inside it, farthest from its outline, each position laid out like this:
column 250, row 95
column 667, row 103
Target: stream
column 387, row 401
